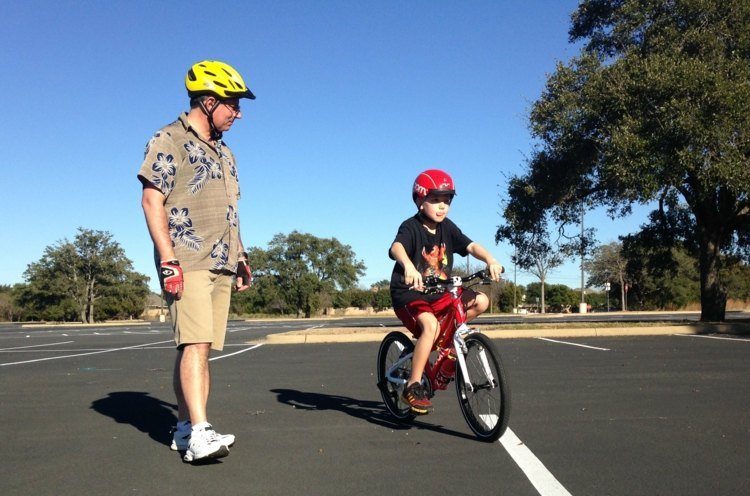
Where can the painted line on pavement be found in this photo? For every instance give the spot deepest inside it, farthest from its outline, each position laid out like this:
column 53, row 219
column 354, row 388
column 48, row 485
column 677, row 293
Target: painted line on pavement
column 541, row 478
column 35, row 346
column 239, row 329
column 574, row 344
column 84, row 354
column 235, row 353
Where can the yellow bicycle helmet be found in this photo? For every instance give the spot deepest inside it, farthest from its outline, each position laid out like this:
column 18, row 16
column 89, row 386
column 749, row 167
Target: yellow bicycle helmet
column 211, row 77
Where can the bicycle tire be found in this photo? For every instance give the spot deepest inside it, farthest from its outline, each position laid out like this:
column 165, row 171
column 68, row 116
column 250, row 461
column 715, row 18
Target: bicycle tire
column 392, row 348
column 486, row 408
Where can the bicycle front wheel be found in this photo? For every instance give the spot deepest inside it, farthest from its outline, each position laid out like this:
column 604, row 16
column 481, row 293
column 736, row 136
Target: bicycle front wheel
column 394, row 369
column 484, row 395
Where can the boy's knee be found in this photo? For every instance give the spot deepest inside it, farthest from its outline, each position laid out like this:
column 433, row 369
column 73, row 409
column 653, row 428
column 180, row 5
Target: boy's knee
column 428, row 324
column 481, row 303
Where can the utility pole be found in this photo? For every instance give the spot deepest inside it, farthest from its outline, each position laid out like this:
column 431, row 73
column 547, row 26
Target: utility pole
column 515, row 266
column 582, row 307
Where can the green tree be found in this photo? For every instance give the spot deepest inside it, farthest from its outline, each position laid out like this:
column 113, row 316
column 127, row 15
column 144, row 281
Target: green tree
column 736, row 275
column 534, row 252
column 124, row 298
column 72, row 277
column 308, row 270
column 608, row 265
column 655, row 104
column 381, row 299
column 9, row 309
column 561, row 297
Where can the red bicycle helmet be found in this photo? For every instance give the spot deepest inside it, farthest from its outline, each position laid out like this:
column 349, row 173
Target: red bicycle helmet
column 432, row 181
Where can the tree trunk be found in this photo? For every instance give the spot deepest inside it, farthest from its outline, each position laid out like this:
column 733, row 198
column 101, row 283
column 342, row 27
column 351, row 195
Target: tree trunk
column 90, row 303
column 713, row 293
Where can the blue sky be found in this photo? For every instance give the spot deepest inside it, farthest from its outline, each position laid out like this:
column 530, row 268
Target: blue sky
column 354, row 99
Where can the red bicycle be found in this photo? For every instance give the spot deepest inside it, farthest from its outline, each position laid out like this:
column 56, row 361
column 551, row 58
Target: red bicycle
column 462, row 353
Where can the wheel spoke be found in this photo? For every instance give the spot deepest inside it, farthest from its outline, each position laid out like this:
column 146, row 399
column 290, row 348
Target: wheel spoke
column 483, row 394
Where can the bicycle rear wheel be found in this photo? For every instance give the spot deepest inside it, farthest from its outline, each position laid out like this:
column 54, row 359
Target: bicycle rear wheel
column 484, row 395
column 392, row 375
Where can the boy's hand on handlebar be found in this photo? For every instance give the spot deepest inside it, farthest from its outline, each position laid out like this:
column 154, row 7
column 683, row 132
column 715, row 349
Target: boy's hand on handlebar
column 413, row 279
column 495, row 270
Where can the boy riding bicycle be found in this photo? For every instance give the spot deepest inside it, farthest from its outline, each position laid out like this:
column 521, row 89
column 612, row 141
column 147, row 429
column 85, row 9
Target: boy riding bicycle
column 424, row 246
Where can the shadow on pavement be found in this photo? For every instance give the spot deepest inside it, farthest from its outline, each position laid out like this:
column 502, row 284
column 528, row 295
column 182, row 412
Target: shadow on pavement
column 371, row 411
column 146, row 413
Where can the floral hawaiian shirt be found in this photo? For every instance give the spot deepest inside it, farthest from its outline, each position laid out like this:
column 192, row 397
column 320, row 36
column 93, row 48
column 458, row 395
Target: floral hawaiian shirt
column 201, row 188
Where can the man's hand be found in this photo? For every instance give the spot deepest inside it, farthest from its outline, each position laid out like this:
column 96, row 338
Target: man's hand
column 244, row 276
column 170, row 276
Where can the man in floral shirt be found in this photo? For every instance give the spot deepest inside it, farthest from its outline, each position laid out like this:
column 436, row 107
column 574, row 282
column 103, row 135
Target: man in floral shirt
column 190, row 195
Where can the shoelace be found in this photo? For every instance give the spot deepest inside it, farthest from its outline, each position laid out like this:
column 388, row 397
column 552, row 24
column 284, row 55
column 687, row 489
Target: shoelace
column 211, row 434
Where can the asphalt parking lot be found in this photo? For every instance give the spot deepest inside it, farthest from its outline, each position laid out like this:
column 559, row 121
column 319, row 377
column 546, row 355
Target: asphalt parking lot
column 88, row 411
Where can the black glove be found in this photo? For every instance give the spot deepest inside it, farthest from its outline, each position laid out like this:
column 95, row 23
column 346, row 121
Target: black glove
column 244, row 275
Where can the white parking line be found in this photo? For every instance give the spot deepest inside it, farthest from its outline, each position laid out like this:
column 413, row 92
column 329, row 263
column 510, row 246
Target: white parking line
column 574, row 344
column 541, row 478
column 235, row 353
column 35, row 346
column 239, row 329
column 84, row 354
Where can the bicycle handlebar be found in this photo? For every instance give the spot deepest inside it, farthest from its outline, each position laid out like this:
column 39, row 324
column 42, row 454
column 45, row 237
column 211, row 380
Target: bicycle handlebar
column 434, row 285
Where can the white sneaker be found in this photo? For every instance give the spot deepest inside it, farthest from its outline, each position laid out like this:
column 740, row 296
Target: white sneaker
column 181, row 438
column 205, row 444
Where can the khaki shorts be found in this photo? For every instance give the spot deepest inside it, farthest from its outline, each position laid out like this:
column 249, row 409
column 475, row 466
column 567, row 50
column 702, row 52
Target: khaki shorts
column 200, row 316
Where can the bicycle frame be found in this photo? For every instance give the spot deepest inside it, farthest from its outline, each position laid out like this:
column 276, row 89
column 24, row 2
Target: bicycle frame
column 453, row 329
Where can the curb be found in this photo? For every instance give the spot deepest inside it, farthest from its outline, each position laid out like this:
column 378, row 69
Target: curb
column 349, row 335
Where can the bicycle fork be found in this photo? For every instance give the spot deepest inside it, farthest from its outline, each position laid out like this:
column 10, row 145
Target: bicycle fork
column 462, row 350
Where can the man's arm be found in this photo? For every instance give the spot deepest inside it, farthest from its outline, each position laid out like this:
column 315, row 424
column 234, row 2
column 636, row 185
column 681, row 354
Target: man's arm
column 170, row 272
column 152, row 202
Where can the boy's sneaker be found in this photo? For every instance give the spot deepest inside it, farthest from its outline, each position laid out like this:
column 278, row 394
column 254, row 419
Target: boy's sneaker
column 205, row 444
column 181, row 438
column 416, row 397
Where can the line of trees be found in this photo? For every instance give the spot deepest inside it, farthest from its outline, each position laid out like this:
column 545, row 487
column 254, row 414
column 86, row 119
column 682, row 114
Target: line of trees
column 90, row 279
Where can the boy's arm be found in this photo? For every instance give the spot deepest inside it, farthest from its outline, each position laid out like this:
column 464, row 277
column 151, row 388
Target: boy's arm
column 412, row 277
column 477, row 251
